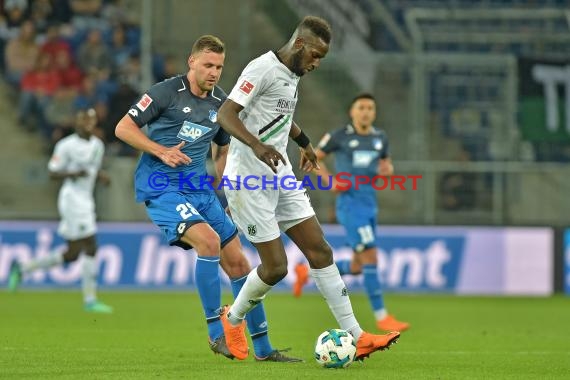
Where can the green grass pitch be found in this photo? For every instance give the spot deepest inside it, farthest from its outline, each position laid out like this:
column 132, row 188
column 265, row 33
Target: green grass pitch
column 46, row 335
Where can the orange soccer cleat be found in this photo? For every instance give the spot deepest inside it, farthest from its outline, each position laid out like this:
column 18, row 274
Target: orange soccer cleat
column 392, row 324
column 369, row 343
column 235, row 336
column 302, row 273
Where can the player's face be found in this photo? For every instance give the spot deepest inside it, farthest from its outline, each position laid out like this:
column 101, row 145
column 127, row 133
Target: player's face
column 207, row 67
column 308, row 57
column 363, row 112
column 85, row 122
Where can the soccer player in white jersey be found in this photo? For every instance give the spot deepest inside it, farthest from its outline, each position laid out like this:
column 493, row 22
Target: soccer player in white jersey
column 258, row 113
column 77, row 160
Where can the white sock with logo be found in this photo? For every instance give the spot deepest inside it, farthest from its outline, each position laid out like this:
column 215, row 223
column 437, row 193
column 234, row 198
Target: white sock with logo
column 252, row 293
column 49, row 261
column 332, row 287
column 89, row 278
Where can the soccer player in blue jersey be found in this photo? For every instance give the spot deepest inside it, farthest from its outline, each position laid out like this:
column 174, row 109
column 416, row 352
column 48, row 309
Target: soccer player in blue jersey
column 359, row 149
column 181, row 114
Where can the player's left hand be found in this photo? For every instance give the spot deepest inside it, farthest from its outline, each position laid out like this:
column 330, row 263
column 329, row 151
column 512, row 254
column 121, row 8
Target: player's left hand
column 308, row 160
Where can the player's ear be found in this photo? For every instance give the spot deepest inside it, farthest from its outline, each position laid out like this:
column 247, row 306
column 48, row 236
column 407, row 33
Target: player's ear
column 299, row 43
column 191, row 61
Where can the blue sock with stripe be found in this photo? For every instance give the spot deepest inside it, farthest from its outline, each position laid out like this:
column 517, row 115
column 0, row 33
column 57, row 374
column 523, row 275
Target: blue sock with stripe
column 209, row 288
column 343, row 266
column 256, row 323
column 372, row 286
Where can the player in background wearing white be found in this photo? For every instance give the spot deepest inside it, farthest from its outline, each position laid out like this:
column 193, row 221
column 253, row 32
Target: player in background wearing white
column 77, row 160
column 259, row 112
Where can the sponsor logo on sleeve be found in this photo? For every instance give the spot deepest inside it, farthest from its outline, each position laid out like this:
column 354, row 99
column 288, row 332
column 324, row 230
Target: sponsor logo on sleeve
column 144, row 102
column 246, row 87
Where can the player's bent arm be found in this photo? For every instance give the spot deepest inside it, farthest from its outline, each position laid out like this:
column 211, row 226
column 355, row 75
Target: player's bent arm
column 129, row 132
column 65, row 174
column 385, row 167
column 228, row 118
column 220, row 155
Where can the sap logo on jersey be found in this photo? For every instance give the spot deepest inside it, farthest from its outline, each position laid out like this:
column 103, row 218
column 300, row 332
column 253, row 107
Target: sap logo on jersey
column 363, row 158
column 191, row 132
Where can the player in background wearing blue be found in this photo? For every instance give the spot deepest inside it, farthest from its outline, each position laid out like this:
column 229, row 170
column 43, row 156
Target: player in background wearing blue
column 181, row 114
column 359, row 149
column 77, row 161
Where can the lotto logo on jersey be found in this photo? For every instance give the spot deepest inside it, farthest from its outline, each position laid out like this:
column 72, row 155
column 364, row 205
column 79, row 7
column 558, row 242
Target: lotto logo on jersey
column 144, row 102
column 191, row 132
column 246, row 87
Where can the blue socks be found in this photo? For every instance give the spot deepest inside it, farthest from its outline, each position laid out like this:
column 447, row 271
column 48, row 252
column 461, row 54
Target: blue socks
column 343, row 266
column 256, row 323
column 372, row 285
column 209, row 288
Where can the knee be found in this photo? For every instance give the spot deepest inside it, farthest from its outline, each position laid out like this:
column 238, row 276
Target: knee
column 273, row 275
column 235, row 264
column 209, row 245
column 320, row 255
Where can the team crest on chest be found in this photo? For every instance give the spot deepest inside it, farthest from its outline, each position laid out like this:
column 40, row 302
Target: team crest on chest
column 377, row 144
column 213, row 116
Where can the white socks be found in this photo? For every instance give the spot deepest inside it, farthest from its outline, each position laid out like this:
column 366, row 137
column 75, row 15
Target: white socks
column 89, row 278
column 252, row 293
column 49, row 261
column 332, row 287
column 380, row 314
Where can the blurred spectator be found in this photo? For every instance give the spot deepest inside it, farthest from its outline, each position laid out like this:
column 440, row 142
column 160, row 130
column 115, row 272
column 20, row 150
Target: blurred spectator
column 41, row 14
column 131, row 74
column 12, row 15
column 120, row 50
column 91, row 96
column 116, row 12
column 458, row 188
column 59, row 114
column 166, row 68
column 54, row 43
column 21, row 54
column 86, row 14
column 70, row 75
column 38, row 86
column 93, row 54
column 121, row 101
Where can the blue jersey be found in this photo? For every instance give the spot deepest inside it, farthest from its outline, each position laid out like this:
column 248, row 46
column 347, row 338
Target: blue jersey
column 358, row 155
column 174, row 114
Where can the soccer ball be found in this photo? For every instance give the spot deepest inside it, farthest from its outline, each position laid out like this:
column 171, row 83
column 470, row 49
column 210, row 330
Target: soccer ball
column 335, row 348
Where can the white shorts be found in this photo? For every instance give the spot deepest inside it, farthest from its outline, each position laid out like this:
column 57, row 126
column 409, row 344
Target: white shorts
column 78, row 220
column 262, row 214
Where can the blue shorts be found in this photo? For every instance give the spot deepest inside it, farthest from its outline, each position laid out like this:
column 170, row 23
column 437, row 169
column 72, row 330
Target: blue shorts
column 174, row 213
column 360, row 229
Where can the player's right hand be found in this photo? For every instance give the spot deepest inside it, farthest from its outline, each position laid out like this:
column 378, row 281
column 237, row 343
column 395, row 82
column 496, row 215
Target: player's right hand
column 269, row 155
column 173, row 157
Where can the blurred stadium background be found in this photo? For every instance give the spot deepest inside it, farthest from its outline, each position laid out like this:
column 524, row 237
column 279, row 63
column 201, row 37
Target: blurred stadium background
column 474, row 95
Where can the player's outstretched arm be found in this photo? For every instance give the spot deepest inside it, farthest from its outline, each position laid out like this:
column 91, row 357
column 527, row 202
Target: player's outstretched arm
column 129, row 132
column 229, row 120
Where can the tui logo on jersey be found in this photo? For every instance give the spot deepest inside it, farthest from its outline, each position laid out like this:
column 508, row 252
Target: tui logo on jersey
column 213, row 116
column 191, row 132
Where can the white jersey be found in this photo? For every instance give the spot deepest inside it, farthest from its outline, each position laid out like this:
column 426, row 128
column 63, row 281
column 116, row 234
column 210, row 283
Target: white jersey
column 267, row 90
column 73, row 154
